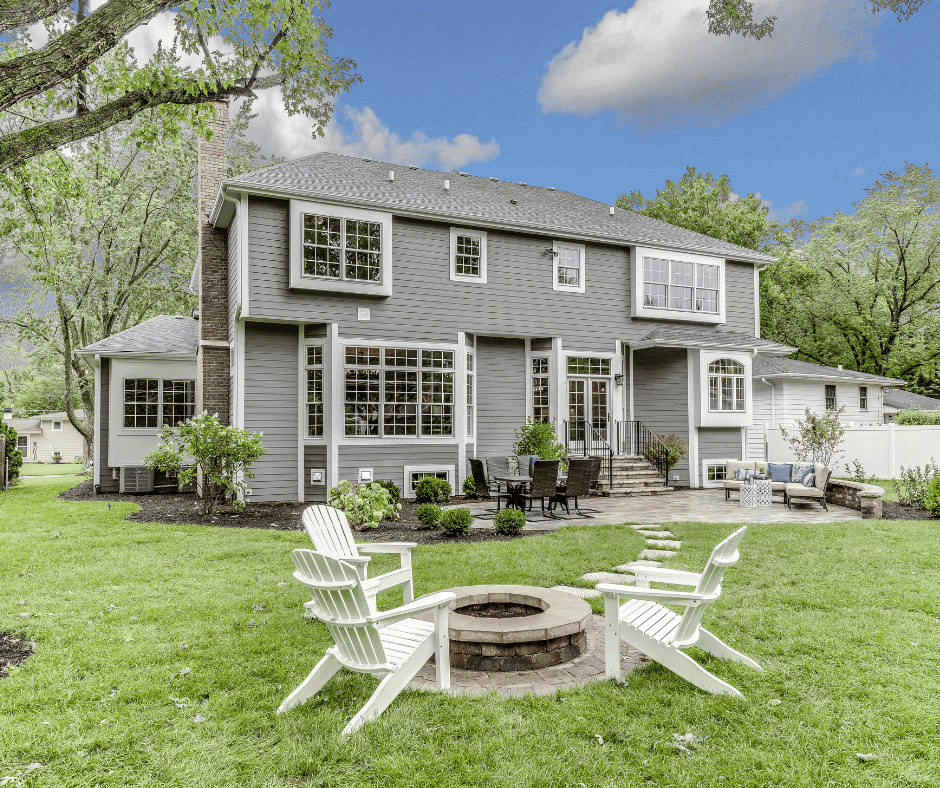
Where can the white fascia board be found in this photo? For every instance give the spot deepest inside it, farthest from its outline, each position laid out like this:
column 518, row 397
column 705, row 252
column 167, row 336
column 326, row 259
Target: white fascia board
column 685, row 344
column 230, row 189
column 830, row 378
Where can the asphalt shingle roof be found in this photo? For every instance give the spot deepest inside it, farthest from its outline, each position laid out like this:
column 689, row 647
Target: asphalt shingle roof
column 23, row 426
column 902, row 400
column 766, row 367
column 163, row 334
column 470, row 197
column 694, row 336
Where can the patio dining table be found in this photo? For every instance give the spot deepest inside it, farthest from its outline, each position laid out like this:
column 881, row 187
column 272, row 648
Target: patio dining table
column 515, row 489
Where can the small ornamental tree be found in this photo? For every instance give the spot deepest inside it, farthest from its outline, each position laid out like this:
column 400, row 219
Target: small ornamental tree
column 540, row 439
column 14, row 455
column 817, row 437
column 205, row 449
column 667, row 452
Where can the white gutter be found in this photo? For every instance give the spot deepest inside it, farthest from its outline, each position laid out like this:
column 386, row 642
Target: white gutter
column 225, row 187
column 773, row 401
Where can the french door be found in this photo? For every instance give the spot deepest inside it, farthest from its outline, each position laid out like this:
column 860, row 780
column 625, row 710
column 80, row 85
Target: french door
column 588, row 403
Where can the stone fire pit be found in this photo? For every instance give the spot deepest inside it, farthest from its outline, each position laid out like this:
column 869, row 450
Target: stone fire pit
column 513, row 628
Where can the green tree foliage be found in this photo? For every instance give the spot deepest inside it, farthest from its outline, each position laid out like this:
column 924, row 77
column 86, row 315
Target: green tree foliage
column 736, row 17
column 915, row 416
column 204, row 449
column 14, row 455
column 540, row 439
column 699, row 202
column 220, row 49
column 863, row 288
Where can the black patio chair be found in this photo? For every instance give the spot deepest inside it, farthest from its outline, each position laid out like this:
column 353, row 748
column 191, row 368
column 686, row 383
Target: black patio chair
column 498, row 466
column 484, row 489
column 544, row 483
column 596, row 464
column 577, row 485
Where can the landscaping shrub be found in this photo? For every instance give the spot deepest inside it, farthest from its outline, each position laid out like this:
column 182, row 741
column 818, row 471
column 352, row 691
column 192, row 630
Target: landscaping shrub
column 428, row 514
column 917, row 416
column 932, row 499
column 509, row 522
column 394, row 494
column 668, row 451
column 430, row 489
column 223, row 454
column 914, row 483
column 456, row 522
column 469, row 487
column 540, row 439
column 13, row 454
column 365, row 505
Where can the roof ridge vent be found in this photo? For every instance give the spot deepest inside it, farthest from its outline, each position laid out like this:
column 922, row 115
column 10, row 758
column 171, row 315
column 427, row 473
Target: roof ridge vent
column 465, row 174
column 495, row 180
column 366, row 159
column 523, row 184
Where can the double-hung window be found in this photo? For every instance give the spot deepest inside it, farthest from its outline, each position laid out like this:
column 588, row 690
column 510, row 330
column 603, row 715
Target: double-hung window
column 342, row 248
column 470, row 398
column 568, row 267
column 398, row 392
column 726, row 389
column 314, row 370
column 150, row 403
column 680, row 286
column 467, row 255
column 863, row 397
column 830, row 397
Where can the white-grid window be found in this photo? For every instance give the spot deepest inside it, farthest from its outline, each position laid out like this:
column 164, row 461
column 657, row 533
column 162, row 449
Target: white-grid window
column 540, row 393
column 415, row 473
column 679, row 285
column 568, row 267
column 314, row 371
column 726, row 385
column 467, row 255
column 863, row 397
column 716, row 472
column 150, row 403
column 387, row 392
column 471, row 401
column 338, row 248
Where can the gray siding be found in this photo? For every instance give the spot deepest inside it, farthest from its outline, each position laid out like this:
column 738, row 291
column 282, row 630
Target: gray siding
column 314, row 457
column 103, row 415
column 271, row 403
column 660, row 389
column 719, row 443
column 388, row 462
column 517, row 300
column 501, row 405
column 739, row 298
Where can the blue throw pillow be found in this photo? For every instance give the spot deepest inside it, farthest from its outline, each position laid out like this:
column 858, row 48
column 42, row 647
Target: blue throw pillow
column 779, row 472
column 809, row 479
column 532, row 460
column 743, row 474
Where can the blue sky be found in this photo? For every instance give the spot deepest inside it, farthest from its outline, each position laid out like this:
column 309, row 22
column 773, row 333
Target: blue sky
column 600, row 99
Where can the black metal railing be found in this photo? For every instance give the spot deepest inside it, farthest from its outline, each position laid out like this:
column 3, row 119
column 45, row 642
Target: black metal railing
column 634, row 437
column 584, row 439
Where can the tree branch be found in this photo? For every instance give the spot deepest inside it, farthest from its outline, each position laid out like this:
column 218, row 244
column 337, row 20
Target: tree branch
column 20, row 13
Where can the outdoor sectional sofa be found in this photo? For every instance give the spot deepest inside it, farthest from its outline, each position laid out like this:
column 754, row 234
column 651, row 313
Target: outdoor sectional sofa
column 792, row 489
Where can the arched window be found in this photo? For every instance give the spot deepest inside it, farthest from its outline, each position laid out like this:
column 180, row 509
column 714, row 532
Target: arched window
column 726, row 385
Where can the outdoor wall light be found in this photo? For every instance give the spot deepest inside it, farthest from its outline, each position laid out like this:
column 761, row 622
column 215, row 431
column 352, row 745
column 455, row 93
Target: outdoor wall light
column 318, row 476
column 618, row 379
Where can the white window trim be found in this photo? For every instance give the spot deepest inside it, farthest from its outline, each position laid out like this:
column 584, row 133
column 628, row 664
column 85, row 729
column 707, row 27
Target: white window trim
column 454, row 276
column 301, row 281
column 557, row 246
column 161, row 378
column 722, row 418
column 705, row 481
column 406, row 491
column 57, row 428
column 639, row 309
column 733, row 375
column 321, row 343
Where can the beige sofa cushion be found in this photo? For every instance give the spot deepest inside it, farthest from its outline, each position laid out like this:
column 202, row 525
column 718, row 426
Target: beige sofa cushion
column 734, row 465
column 822, row 476
column 801, row 491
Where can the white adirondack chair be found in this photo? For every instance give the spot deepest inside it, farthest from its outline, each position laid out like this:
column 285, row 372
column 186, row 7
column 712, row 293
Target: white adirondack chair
column 390, row 644
column 330, row 533
column 644, row 623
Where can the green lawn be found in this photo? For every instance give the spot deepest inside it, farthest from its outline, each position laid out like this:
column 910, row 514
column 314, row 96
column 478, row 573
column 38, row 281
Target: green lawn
column 49, row 469
column 844, row 617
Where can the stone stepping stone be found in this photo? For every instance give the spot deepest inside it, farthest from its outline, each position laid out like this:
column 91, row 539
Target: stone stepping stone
column 655, row 555
column 655, row 534
column 608, row 577
column 666, row 544
column 583, row 593
column 629, row 567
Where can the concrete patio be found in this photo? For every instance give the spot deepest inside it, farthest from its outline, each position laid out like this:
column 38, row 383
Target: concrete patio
column 700, row 506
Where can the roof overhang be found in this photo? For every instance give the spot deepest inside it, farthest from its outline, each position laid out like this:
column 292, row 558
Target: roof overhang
column 713, row 344
column 219, row 217
column 141, row 356
column 831, row 378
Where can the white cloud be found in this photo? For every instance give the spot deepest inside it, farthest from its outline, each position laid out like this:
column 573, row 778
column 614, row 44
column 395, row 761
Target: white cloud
column 859, row 171
column 783, row 215
column 278, row 133
column 656, row 65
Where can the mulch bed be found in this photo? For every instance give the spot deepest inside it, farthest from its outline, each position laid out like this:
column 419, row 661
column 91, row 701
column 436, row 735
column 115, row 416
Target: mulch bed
column 896, row 511
column 13, row 651
column 185, row 508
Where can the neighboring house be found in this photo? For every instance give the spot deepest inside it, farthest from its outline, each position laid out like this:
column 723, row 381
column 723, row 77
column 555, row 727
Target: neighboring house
column 896, row 400
column 385, row 321
column 39, row 437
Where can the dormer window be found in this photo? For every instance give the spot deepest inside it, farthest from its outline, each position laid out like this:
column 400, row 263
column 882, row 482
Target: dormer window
column 339, row 249
column 678, row 286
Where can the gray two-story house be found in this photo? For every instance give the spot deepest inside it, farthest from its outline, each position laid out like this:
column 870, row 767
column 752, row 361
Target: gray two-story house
column 385, row 321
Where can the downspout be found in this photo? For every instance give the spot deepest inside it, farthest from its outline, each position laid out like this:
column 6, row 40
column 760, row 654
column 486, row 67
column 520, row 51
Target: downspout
column 773, row 413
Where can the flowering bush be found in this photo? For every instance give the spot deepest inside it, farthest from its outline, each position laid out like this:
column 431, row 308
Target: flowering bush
column 365, row 505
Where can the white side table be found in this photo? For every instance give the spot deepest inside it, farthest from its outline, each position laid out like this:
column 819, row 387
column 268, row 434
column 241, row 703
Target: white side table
column 758, row 492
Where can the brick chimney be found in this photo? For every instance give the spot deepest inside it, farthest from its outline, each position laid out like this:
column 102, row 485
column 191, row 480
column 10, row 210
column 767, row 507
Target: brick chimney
column 212, row 361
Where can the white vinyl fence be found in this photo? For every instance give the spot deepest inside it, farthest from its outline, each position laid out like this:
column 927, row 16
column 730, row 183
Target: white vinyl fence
column 881, row 450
